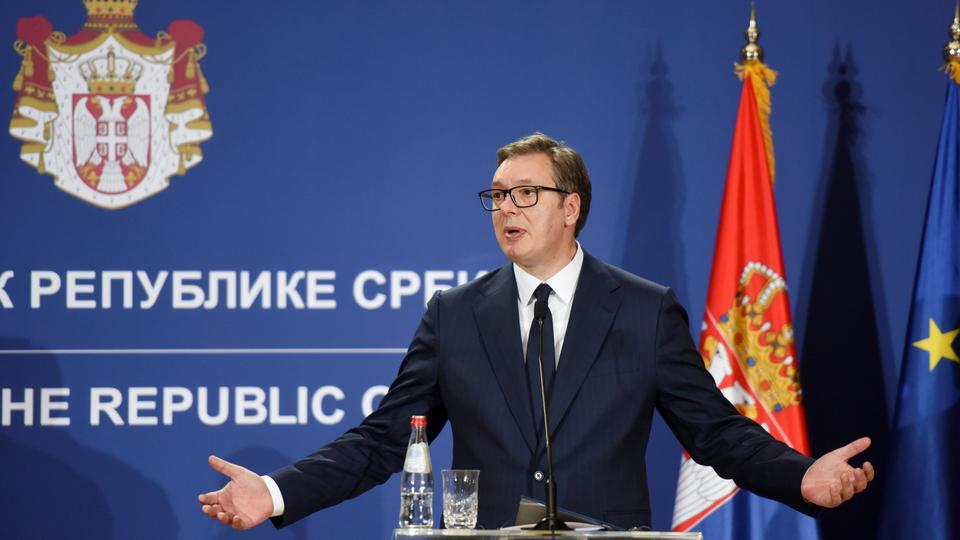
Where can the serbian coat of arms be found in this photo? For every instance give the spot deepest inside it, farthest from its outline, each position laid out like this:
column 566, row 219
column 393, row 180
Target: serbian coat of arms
column 110, row 112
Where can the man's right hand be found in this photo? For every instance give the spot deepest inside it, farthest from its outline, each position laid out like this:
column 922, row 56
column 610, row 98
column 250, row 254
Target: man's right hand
column 243, row 503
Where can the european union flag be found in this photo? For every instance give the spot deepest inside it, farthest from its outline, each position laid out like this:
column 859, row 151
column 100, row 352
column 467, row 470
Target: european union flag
column 922, row 492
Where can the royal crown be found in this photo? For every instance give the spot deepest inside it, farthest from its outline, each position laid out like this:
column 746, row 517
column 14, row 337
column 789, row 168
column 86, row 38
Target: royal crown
column 110, row 15
column 110, row 7
column 111, row 75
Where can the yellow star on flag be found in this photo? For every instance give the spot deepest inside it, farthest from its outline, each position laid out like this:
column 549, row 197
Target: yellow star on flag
column 939, row 345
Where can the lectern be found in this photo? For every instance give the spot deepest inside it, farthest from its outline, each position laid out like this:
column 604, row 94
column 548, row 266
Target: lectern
column 475, row 534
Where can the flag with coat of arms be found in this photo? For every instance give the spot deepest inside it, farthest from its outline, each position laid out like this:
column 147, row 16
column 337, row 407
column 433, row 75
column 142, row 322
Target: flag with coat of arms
column 747, row 340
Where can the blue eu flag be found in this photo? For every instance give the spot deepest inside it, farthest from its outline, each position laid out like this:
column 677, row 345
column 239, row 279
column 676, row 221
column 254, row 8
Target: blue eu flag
column 922, row 492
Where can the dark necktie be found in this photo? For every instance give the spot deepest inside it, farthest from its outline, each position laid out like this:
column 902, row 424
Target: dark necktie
column 533, row 363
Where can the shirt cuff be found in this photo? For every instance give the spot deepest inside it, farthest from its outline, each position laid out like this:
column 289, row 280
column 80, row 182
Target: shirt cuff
column 275, row 494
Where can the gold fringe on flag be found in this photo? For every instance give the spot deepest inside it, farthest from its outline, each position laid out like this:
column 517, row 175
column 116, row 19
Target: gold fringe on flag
column 952, row 69
column 762, row 78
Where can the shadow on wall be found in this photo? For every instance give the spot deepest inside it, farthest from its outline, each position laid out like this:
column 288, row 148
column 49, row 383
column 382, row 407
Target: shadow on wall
column 653, row 249
column 653, row 244
column 841, row 365
column 57, row 488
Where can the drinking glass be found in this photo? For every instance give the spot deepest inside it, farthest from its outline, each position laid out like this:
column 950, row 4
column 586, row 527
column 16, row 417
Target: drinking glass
column 460, row 498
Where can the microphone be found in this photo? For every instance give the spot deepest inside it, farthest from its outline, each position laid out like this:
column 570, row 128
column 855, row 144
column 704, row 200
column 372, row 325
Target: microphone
column 540, row 314
column 550, row 522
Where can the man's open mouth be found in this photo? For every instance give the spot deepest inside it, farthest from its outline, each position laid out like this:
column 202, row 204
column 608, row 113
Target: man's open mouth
column 512, row 233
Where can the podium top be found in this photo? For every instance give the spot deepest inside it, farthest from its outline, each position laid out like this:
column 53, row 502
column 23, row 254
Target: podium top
column 415, row 534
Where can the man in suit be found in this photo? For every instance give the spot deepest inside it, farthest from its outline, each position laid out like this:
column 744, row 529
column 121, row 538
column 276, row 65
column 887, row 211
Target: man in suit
column 615, row 347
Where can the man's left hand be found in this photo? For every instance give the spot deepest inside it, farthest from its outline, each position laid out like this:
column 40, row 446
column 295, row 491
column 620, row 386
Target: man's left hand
column 831, row 481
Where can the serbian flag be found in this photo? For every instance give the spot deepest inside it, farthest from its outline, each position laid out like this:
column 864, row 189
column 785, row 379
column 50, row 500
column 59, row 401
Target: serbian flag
column 747, row 340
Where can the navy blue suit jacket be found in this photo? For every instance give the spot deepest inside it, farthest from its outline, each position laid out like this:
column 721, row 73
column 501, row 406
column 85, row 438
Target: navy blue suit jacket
column 627, row 350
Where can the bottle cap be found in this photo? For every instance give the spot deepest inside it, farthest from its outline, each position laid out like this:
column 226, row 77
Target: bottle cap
column 418, row 421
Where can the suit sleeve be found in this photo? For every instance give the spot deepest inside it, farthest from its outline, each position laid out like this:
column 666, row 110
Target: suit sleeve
column 368, row 454
column 710, row 428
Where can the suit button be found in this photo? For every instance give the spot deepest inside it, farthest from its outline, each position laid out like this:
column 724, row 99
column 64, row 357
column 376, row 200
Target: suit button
column 538, row 476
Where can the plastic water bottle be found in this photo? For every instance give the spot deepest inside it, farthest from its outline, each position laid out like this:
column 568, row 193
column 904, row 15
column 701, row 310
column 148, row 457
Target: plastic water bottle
column 416, row 483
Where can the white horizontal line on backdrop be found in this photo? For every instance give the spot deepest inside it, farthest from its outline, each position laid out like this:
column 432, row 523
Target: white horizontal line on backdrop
column 304, row 351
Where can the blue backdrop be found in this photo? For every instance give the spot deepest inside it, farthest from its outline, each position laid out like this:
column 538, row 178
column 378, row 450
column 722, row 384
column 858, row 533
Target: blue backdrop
column 352, row 137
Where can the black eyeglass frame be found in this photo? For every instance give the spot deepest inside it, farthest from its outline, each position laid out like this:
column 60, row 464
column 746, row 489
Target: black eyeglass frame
column 487, row 194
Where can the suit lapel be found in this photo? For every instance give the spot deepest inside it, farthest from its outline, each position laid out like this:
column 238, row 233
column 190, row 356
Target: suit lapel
column 592, row 313
column 499, row 324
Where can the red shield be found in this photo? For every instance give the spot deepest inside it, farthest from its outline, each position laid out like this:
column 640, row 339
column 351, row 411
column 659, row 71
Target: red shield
column 111, row 140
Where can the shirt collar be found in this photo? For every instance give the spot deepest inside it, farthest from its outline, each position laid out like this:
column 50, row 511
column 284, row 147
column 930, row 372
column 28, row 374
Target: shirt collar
column 563, row 283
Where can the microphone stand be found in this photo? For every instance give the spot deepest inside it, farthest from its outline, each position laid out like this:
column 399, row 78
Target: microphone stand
column 550, row 522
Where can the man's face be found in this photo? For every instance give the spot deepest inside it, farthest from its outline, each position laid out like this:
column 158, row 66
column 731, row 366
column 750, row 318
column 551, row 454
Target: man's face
column 539, row 238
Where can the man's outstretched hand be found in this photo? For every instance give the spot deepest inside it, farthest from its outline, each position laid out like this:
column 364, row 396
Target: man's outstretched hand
column 831, row 481
column 243, row 503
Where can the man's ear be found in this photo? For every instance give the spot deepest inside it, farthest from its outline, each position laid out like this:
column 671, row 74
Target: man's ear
column 571, row 209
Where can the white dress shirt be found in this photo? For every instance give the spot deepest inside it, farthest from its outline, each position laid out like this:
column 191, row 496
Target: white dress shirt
column 564, row 285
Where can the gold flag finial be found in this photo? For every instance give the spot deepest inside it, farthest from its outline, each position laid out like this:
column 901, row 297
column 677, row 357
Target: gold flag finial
column 761, row 78
column 951, row 53
column 752, row 51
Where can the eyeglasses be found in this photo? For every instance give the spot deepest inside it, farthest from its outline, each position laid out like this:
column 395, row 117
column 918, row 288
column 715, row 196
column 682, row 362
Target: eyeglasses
column 522, row 196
